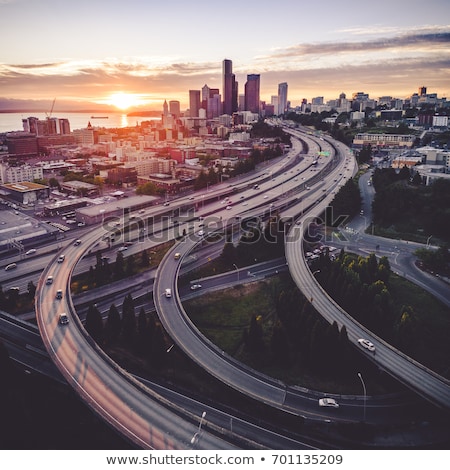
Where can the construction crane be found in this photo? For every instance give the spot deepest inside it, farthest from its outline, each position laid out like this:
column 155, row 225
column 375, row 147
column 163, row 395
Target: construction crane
column 49, row 115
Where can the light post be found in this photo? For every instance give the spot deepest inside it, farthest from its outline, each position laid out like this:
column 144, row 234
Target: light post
column 365, row 394
column 237, row 270
column 196, row 436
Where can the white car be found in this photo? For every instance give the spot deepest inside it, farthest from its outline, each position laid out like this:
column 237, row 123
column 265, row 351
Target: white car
column 196, row 286
column 200, row 233
column 63, row 319
column 122, row 248
column 31, row 252
column 328, row 402
column 366, row 344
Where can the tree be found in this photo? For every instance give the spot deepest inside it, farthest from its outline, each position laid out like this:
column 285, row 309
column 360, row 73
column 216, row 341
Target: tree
column 408, row 330
column 31, row 289
column 128, row 319
column 280, row 344
column 119, row 270
column 94, row 323
column 113, row 324
column 53, row 183
column 255, row 335
column 145, row 259
column 148, row 189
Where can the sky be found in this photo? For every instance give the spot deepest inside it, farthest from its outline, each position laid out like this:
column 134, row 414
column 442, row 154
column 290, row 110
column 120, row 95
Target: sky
column 137, row 53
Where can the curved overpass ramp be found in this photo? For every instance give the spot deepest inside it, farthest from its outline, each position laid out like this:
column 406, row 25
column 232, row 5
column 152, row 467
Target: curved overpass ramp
column 141, row 415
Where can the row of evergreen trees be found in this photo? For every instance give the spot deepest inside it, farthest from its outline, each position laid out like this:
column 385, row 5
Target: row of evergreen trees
column 298, row 337
column 141, row 333
column 363, row 287
column 411, row 207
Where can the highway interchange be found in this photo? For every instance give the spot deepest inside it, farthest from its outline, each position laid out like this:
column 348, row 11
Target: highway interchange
column 296, row 185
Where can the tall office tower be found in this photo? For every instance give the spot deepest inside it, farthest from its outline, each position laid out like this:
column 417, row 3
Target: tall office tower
column 422, row 90
column 282, row 97
column 252, row 93
column 205, row 93
column 229, row 86
column 165, row 108
column 174, row 108
column 194, row 102
column 241, row 103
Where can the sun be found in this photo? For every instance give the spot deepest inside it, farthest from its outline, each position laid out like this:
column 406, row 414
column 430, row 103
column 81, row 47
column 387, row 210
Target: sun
column 124, row 101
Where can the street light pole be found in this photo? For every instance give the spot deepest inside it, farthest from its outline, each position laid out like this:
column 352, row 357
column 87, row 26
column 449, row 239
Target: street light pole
column 237, row 270
column 196, row 436
column 365, row 394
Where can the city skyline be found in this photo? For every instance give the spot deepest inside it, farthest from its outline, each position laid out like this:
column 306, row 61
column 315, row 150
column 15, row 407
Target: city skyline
column 100, row 54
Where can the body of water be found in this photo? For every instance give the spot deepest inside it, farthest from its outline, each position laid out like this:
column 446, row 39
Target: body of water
column 13, row 121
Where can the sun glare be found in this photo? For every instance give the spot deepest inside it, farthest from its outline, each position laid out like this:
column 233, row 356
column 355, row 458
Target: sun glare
column 124, row 100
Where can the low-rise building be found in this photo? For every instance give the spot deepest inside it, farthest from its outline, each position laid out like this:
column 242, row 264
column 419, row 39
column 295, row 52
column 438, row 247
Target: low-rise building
column 25, row 192
column 384, row 140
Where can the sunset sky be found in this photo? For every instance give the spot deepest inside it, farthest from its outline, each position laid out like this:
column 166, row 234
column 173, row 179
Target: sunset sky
column 144, row 51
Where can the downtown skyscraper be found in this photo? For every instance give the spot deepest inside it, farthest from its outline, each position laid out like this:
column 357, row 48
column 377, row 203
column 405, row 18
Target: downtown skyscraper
column 229, row 88
column 252, row 93
column 282, row 98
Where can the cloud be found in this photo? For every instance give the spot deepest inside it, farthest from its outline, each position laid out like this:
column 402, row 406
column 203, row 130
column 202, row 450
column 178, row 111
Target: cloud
column 389, row 65
column 415, row 42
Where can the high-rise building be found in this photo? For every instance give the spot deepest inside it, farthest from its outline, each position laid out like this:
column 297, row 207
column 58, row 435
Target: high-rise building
column 252, row 93
column 205, row 93
column 214, row 106
column 174, row 108
column 422, row 90
column 194, row 102
column 282, row 97
column 230, row 88
column 165, row 108
column 64, row 126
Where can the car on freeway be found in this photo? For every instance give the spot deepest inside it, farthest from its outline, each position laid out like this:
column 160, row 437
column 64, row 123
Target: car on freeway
column 10, row 266
column 31, row 252
column 168, row 293
column 77, row 242
column 366, row 344
column 200, row 233
column 228, row 208
column 61, row 258
column 196, row 286
column 59, row 294
column 123, row 248
column 328, row 402
column 49, row 280
column 63, row 319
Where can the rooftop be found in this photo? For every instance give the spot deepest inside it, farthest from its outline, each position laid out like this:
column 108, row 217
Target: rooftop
column 24, row 186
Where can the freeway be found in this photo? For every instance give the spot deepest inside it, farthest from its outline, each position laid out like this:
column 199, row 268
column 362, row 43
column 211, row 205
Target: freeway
column 144, row 417
column 141, row 414
column 275, row 187
column 25, row 347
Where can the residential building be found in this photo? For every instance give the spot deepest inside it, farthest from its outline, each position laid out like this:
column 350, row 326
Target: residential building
column 16, row 174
